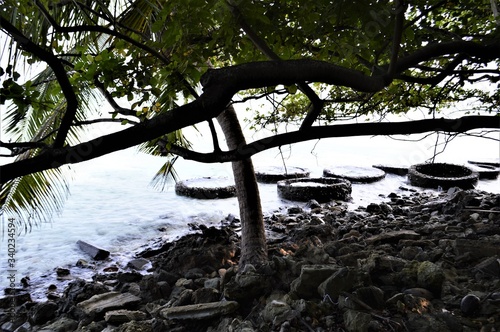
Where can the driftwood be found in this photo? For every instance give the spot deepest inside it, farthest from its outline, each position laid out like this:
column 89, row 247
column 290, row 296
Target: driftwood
column 94, row 252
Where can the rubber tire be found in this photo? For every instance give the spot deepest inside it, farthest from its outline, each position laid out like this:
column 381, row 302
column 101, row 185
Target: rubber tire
column 336, row 189
column 442, row 175
column 398, row 170
column 486, row 171
column 371, row 174
column 183, row 188
column 268, row 176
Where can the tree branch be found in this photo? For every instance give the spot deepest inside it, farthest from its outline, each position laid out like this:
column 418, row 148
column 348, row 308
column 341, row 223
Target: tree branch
column 485, row 52
column 459, row 125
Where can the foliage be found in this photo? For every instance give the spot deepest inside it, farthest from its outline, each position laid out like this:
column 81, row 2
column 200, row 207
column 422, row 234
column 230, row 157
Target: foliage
column 146, row 58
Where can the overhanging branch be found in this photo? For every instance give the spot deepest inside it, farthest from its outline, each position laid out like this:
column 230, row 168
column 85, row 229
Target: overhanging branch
column 459, row 125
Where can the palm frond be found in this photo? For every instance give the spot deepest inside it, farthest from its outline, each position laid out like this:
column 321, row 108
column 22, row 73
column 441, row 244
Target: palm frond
column 165, row 175
column 34, row 198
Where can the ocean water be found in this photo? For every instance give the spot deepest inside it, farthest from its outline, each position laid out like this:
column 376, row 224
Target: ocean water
column 112, row 205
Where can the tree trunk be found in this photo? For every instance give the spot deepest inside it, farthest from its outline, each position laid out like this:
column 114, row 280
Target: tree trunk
column 253, row 238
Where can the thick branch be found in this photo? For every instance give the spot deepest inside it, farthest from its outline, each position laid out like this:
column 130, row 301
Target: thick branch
column 486, row 52
column 270, row 73
column 459, row 125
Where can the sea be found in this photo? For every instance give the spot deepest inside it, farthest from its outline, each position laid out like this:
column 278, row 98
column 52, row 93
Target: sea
column 112, row 204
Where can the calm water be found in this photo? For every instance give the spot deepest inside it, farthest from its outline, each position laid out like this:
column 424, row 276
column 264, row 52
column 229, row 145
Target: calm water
column 112, row 205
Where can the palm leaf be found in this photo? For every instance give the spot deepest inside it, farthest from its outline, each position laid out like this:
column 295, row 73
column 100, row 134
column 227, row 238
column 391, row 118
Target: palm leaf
column 165, row 175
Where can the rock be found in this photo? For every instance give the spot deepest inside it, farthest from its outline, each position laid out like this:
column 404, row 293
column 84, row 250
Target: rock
column 393, row 236
column 134, row 326
column 277, row 312
column 138, row 263
column 102, row 303
column 14, row 300
column 489, row 266
column 311, row 276
column 313, row 204
column 357, row 321
column 342, row 280
column 200, row 311
column 431, row 277
column 206, row 295
column 470, row 304
column 477, row 248
column 419, row 292
column 132, row 276
column 62, row 324
column 117, row 317
column 372, row 296
column 93, row 251
column 41, row 313
column 62, row 272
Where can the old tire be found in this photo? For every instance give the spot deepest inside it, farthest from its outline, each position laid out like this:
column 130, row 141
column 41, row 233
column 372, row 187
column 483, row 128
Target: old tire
column 273, row 174
column 206, row 188
column 487, row 172
column 442, row 175
column 321, row 189
column 355, row 173
column 398, row 170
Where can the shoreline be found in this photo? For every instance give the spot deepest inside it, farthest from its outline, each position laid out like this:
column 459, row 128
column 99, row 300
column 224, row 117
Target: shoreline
column 306, row 235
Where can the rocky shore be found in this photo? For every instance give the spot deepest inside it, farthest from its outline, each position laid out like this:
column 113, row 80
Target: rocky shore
column 417, row 262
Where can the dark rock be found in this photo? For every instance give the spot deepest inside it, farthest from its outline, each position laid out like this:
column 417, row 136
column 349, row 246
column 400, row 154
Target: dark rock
column 93, row 251
column 117, row 317
column 200, row 311
column 102, row 303
column 311, row 276
column 14, row 300
column 138, row 263
column 41, row 313
column 206, row 295
column 62, row 324
column 470, row 304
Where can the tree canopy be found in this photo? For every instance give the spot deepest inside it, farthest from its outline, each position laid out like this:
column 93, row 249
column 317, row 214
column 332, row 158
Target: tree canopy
column 155, row 67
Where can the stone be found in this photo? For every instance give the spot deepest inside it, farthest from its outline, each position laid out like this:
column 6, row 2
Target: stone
column 393, row 236
column 470, row 304
column 135, row 326
column 42, row 312
column 102, row 303
column 357, row 321
column 206, row 295
column 117, row 317
column 311, row 276
column 342, row 280
column 200, row 311
column 277, row 312
column 430, row 276
column 477, row 248
column 93, row 251
column 138, row 263
column 14, row 300
column 489, row 266
column 62, row 324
